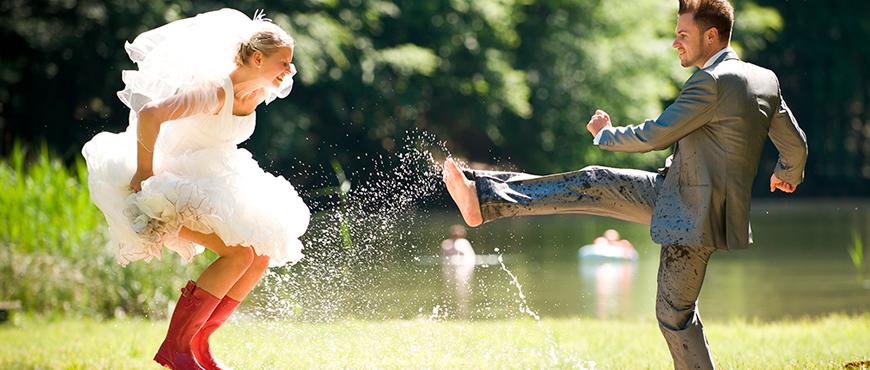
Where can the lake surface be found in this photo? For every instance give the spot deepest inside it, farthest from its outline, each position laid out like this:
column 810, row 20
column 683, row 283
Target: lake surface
column 799, row 266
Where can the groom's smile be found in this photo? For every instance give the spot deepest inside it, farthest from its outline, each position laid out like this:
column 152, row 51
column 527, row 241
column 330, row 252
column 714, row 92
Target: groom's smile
column 690, row 41
column 687, row 40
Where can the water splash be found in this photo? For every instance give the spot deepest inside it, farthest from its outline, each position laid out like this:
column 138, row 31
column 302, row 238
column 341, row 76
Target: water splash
column 365, row 228
column 523, row 306
column 365, row 248
column 521, row 297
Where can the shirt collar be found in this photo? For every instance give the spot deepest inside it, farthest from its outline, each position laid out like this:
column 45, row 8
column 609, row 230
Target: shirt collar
column 716, row 56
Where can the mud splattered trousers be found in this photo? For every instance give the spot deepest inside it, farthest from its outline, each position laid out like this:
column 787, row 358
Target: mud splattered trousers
column 623, row 194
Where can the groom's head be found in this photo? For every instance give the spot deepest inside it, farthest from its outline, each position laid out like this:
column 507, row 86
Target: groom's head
column 703, row 28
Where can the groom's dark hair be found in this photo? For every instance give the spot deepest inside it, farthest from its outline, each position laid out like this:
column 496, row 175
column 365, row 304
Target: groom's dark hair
column 711, row 13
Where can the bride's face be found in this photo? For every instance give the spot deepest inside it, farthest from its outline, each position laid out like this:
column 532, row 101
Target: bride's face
column 276, row 67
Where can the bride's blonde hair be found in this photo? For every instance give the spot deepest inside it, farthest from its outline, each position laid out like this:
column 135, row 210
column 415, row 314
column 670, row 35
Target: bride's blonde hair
column 266, row 41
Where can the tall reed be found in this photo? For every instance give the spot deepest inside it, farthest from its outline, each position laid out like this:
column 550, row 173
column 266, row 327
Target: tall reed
column 44, row 206
column 856, row 251
column 54, row 256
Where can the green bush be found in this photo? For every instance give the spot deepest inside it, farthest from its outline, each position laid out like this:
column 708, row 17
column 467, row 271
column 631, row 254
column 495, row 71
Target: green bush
column 54, row 256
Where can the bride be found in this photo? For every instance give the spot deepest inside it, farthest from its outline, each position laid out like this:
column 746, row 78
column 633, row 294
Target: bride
column 176, row 178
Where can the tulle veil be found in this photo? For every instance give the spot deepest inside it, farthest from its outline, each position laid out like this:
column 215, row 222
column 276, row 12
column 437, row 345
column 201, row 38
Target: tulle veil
column 189, row 52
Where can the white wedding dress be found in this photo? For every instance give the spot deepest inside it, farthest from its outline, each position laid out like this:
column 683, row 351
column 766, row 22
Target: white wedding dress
column 202, row 180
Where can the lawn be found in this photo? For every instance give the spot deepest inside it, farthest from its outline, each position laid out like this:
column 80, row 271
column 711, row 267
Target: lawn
column 822, row 343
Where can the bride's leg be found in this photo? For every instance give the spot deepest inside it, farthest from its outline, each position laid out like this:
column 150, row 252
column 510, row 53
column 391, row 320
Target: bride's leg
column 249, row 279
column 199, row 301
column 222, row 312
column 219, row 277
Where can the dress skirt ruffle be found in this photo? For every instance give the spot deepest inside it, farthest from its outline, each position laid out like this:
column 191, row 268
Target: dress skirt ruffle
column 219, row 190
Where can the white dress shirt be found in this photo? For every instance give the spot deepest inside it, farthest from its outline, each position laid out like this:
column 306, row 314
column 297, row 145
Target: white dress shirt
column 716, row 56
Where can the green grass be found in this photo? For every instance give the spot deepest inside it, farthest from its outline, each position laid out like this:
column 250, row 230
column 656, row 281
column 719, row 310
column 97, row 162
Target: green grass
column 823, row 343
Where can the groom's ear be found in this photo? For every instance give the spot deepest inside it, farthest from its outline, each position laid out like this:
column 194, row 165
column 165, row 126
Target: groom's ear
column 711, row 36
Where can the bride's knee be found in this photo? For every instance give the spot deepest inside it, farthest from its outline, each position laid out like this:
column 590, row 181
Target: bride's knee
column 243, row 257
column 260, row 263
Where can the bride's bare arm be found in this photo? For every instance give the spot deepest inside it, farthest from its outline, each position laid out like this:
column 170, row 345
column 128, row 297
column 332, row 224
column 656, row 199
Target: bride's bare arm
column 205, row 99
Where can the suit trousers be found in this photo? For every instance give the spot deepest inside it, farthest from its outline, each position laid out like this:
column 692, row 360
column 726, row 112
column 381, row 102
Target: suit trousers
column 623, row 194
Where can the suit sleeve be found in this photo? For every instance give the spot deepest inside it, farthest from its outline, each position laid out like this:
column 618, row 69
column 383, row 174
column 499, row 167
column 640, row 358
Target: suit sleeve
column 791, row 142
column 693, row 108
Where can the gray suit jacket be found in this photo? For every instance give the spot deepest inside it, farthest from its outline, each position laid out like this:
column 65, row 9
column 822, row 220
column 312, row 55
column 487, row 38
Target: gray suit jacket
column 719, row 123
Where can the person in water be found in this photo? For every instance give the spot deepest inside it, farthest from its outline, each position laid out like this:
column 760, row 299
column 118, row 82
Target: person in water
column 456, row 248
column 611, row 238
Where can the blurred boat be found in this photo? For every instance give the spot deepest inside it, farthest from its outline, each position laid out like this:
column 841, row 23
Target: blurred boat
column 606, row 252
column 478, row 260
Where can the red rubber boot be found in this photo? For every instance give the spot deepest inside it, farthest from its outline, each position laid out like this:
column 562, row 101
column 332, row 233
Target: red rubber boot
column 193, row 309
column 200, row 340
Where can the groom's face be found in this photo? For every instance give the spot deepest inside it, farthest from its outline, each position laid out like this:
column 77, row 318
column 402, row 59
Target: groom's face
column 689, row 41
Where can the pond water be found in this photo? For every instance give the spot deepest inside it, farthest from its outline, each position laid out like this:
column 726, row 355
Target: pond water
column 800, row 265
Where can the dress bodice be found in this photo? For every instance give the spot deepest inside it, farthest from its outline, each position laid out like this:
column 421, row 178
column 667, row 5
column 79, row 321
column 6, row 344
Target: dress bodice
column 201, row 131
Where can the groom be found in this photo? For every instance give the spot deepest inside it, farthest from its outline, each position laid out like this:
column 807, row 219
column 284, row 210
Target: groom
column 697, row 204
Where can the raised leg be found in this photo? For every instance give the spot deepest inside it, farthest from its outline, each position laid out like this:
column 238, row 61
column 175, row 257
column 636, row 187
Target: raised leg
column 463, row 193
column 681, row 274
column 624, row 194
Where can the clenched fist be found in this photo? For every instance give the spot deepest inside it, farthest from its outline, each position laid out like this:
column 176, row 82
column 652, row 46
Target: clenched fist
column 776, row 183
column 599, row 121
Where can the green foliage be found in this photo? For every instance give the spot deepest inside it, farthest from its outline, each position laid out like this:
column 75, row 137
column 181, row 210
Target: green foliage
column 496, row 79
column 509, row 81
column 821, row 56
column 410, row 59
column 587, row 55
column 53, row 252
column 757, row 28
column 44, row 207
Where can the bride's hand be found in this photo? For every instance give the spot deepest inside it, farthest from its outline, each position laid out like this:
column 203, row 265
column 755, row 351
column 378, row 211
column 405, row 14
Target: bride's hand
column 138, row 177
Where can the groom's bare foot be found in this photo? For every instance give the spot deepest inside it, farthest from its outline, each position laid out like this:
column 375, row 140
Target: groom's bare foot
column 463, row 192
